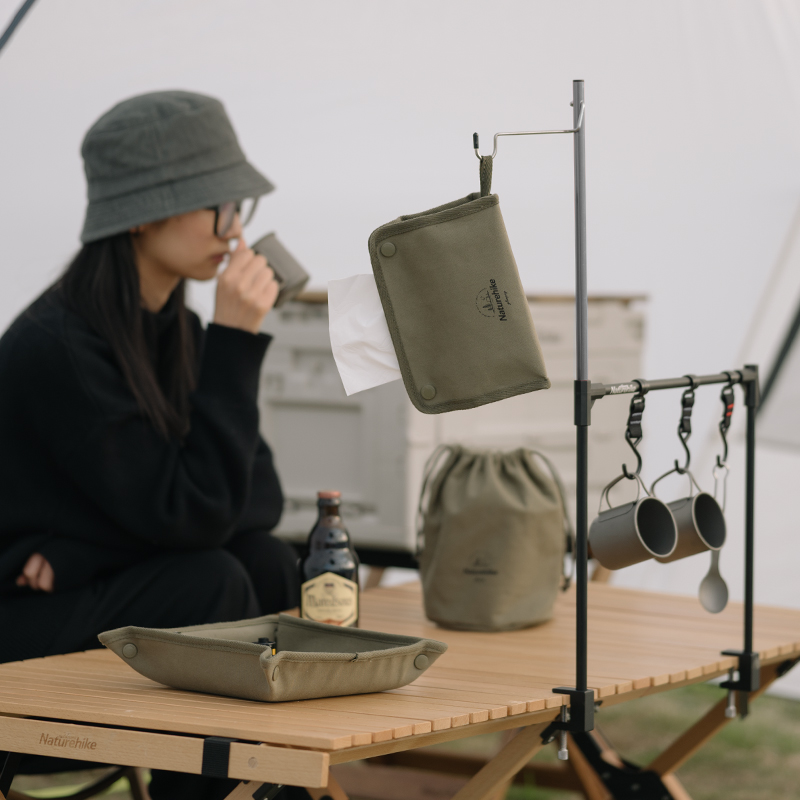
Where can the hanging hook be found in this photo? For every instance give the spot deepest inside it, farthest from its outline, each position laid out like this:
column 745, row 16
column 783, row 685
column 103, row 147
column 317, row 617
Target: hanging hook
column 685, row 425
column 727, row 396
column 475, row 140
column 634, row 431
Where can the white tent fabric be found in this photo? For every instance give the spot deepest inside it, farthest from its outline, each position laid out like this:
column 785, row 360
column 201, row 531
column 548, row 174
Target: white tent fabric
column 775, row 337
column 362, row 111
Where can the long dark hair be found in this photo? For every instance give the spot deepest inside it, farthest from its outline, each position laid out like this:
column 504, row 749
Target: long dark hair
column 101, row 285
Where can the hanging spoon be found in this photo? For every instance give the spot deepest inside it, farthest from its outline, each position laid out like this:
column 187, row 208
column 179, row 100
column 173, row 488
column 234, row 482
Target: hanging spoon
column 713, row 591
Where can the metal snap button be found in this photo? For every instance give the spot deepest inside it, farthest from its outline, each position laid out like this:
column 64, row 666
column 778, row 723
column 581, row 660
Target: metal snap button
column 388, row 249
column 428, row 391
column 130, row 650
column 421, row 661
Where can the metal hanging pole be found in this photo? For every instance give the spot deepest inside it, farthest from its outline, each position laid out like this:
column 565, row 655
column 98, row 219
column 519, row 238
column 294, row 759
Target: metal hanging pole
column 752, row 401
column 749, row 664
column 582, row 389
column 581, row 698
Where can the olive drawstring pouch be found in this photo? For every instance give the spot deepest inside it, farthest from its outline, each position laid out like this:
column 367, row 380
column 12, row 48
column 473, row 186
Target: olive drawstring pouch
column 311, row 659
column 493, row 531
column 458, row 316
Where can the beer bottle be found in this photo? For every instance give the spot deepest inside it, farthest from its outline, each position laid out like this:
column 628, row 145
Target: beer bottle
column 329, row 572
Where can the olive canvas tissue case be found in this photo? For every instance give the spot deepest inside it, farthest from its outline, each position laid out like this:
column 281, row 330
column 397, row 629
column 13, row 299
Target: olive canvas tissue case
column 457, row 313
column 311, row 659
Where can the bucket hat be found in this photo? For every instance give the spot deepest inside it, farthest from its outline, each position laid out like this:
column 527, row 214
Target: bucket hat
column 160, row 154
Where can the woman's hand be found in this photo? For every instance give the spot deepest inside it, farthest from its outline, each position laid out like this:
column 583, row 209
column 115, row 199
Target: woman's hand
column 246, row 290
column 37, row 573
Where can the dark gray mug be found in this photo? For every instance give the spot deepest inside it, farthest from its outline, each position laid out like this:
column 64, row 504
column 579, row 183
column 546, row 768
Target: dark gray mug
column 701, row 523
column 632, row 532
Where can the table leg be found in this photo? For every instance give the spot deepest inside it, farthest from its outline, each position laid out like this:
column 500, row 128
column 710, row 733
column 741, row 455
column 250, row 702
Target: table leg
column 689, row 742
column 333, row 791
column 137, row 784
column 10, row 763
column 591, row 785
column 505, row 765
column 255, row 790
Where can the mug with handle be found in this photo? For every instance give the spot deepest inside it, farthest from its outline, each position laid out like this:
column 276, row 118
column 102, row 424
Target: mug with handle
column 700, row 521
column 633, row 532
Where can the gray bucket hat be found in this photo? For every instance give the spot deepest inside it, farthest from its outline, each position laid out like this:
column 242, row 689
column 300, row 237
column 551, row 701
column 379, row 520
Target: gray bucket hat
column 160, row 154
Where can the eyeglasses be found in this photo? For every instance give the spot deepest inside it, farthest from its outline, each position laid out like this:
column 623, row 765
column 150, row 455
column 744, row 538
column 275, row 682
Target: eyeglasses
column 225, row 213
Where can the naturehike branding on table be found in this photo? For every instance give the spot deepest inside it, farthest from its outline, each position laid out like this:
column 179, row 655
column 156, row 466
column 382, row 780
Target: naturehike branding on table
column 68, row 742
column 490, row 303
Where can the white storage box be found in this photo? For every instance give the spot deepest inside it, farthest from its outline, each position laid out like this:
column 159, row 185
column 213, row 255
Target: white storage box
column 373, row 446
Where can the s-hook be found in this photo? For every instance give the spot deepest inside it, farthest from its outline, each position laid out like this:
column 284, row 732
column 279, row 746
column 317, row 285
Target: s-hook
column 634, row 430
column 685, row 425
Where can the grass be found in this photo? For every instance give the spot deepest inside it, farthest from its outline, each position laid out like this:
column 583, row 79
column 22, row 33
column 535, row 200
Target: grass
column 758, row 757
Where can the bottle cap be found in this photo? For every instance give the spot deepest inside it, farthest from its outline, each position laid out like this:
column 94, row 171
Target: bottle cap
column 329, row 495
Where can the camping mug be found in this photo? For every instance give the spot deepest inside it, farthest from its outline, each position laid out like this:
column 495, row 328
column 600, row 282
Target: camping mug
column 701, row 523
column 633, row 532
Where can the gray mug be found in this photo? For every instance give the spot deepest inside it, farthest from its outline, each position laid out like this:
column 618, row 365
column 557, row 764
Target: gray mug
column 632, row 532
column 701, row 523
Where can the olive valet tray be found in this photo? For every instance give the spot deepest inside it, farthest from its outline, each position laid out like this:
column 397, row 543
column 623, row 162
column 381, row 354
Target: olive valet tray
column 312, row 659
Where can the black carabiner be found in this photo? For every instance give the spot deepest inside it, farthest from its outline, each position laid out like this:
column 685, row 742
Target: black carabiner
column 685, row 425
column 728, row 398
column 634, row 431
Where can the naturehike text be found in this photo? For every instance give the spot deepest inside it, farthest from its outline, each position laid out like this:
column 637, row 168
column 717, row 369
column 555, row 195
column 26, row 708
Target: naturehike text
column 494, row 290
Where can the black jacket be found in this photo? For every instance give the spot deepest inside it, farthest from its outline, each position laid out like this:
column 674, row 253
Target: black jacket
column 87, row 481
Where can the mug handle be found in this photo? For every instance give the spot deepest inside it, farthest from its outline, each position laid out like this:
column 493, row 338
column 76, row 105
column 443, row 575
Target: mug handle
column 693, row 485
column 639, row 486
column 692, row 482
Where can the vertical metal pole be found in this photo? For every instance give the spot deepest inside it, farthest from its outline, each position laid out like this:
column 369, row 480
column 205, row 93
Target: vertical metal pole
column 752, row 400
column 582, row 401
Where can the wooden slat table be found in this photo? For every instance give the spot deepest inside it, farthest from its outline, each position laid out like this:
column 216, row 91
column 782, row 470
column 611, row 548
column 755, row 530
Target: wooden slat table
column 91, row 706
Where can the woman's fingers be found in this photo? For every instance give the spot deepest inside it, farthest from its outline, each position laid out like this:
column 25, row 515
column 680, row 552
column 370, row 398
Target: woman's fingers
column 239, row 258
column 246, row 291
column 264, row 289
column 46, row 577
column 31, row 570
column 37, row 573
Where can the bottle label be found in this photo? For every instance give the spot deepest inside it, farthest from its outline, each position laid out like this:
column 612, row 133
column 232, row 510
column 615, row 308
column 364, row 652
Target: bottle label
column 331, row 599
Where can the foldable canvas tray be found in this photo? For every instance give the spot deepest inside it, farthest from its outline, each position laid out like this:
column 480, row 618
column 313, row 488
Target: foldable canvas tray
column 312, row 659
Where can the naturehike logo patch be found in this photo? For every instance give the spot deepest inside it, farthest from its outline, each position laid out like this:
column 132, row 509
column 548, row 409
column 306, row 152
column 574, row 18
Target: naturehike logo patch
column 480, row 563
column 490, row 303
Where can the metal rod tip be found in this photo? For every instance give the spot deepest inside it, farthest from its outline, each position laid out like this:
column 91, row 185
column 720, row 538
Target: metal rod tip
column 475, row 141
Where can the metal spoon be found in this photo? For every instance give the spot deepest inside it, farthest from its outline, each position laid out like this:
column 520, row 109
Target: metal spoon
column 713, row 590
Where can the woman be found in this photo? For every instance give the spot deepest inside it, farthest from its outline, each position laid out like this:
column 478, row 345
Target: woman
column 134, row 486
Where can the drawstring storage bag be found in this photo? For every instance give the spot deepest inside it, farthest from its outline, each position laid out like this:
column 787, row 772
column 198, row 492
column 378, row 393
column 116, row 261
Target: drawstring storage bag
column 494, row 530
column 459, row 320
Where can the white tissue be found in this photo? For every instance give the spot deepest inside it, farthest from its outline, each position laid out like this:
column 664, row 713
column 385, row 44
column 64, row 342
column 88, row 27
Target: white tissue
column 362, row 345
